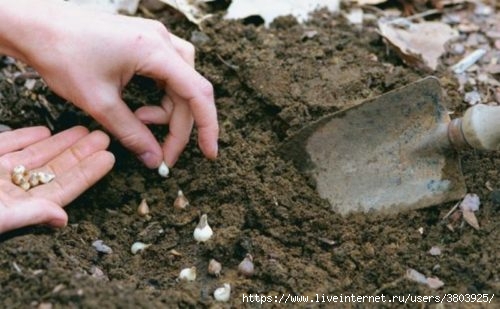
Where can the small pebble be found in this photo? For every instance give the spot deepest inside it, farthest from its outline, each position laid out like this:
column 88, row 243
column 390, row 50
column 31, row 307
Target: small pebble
column 470, row 202
column 483, row 10
column 199, row 38
column 97, row 273
column 138, row 247
column 457, row 49
column 472, row 97
column 435, row 251
column 100, row 247
column 434, row 283
column 416, row 276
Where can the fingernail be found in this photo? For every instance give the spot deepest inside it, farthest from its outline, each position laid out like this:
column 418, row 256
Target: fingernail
column 215, row 150
column 149, row 159
column 58, row 223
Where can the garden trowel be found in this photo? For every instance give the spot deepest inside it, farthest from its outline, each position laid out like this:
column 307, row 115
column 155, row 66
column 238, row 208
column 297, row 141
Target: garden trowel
column 394, row 152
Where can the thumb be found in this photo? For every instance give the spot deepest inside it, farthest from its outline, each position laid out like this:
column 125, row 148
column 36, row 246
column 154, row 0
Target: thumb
column 33, row 213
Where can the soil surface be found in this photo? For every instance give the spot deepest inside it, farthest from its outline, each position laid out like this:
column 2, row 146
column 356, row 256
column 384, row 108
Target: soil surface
column 269, row 83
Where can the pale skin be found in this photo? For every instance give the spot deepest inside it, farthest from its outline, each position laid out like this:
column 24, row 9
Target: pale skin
column 87, row 58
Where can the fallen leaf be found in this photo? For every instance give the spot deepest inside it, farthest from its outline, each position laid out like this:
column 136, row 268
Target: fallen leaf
column 110, row 6
column 369, row 2
column 418, row 45
column 189, row 8
column 470, row 218
column 269, row 10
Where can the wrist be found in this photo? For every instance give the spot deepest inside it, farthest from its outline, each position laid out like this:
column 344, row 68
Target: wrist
column 26, row 27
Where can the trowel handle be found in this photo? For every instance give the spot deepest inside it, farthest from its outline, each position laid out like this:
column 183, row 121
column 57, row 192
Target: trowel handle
column 478, row 128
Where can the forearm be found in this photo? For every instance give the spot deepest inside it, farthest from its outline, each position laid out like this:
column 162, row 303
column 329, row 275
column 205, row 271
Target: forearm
column 26, row 25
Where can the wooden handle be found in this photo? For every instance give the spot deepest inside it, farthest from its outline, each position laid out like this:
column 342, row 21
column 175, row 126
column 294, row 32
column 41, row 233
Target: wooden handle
column 481, row 127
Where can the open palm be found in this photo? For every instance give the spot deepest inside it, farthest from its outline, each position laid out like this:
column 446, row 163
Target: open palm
column 77, row 158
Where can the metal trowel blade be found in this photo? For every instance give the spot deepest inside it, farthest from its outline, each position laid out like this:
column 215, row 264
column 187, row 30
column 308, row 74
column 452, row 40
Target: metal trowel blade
column 370, row 157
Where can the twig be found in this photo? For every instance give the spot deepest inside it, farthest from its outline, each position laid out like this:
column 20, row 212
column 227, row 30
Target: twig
column 451, row 211
column 232, row 66
column 468, row 61
column 415, row 16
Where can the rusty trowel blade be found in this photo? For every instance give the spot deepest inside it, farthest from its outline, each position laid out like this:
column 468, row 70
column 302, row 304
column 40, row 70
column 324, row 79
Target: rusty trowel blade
column 371, row 157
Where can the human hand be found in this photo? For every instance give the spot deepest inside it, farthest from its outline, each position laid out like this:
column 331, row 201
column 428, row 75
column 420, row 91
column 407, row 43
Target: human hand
column 88, row 57
column 77, row 158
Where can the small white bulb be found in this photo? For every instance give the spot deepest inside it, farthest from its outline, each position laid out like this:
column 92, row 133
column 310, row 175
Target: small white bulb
column 17, row 179
column 20, row 169
column 138, row 246
column 203, row 231
column 188, row 274
column 223, row 293
column 45, row 177
column 34, row 179
column 163, row 170
column 25, row 185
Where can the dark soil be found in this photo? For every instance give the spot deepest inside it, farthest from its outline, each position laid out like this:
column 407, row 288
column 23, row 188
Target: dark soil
column 269, row 83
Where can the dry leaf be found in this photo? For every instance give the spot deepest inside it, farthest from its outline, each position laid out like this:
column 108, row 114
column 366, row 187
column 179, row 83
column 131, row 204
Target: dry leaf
column 418, row 45
column 189, row 8
column 369, row 2
column 269, row 10
column 470, row 218
column 110, row 6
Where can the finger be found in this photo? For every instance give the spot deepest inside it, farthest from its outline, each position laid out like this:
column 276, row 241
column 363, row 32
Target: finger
column 20, row 138
column 184, row 49
column 180, row 127
column 26, row 214
column 73, row 182
column 159, row 115
column 93, row 142
column 43, row 151
column 193, row 89
column 152, row 115
column 115, row 116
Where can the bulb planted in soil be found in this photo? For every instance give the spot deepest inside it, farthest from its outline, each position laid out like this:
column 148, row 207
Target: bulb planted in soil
column 203, row 231
column 246, row 267
column 181, row 202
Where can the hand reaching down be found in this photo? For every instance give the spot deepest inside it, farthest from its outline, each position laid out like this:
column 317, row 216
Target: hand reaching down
column 88, row 57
